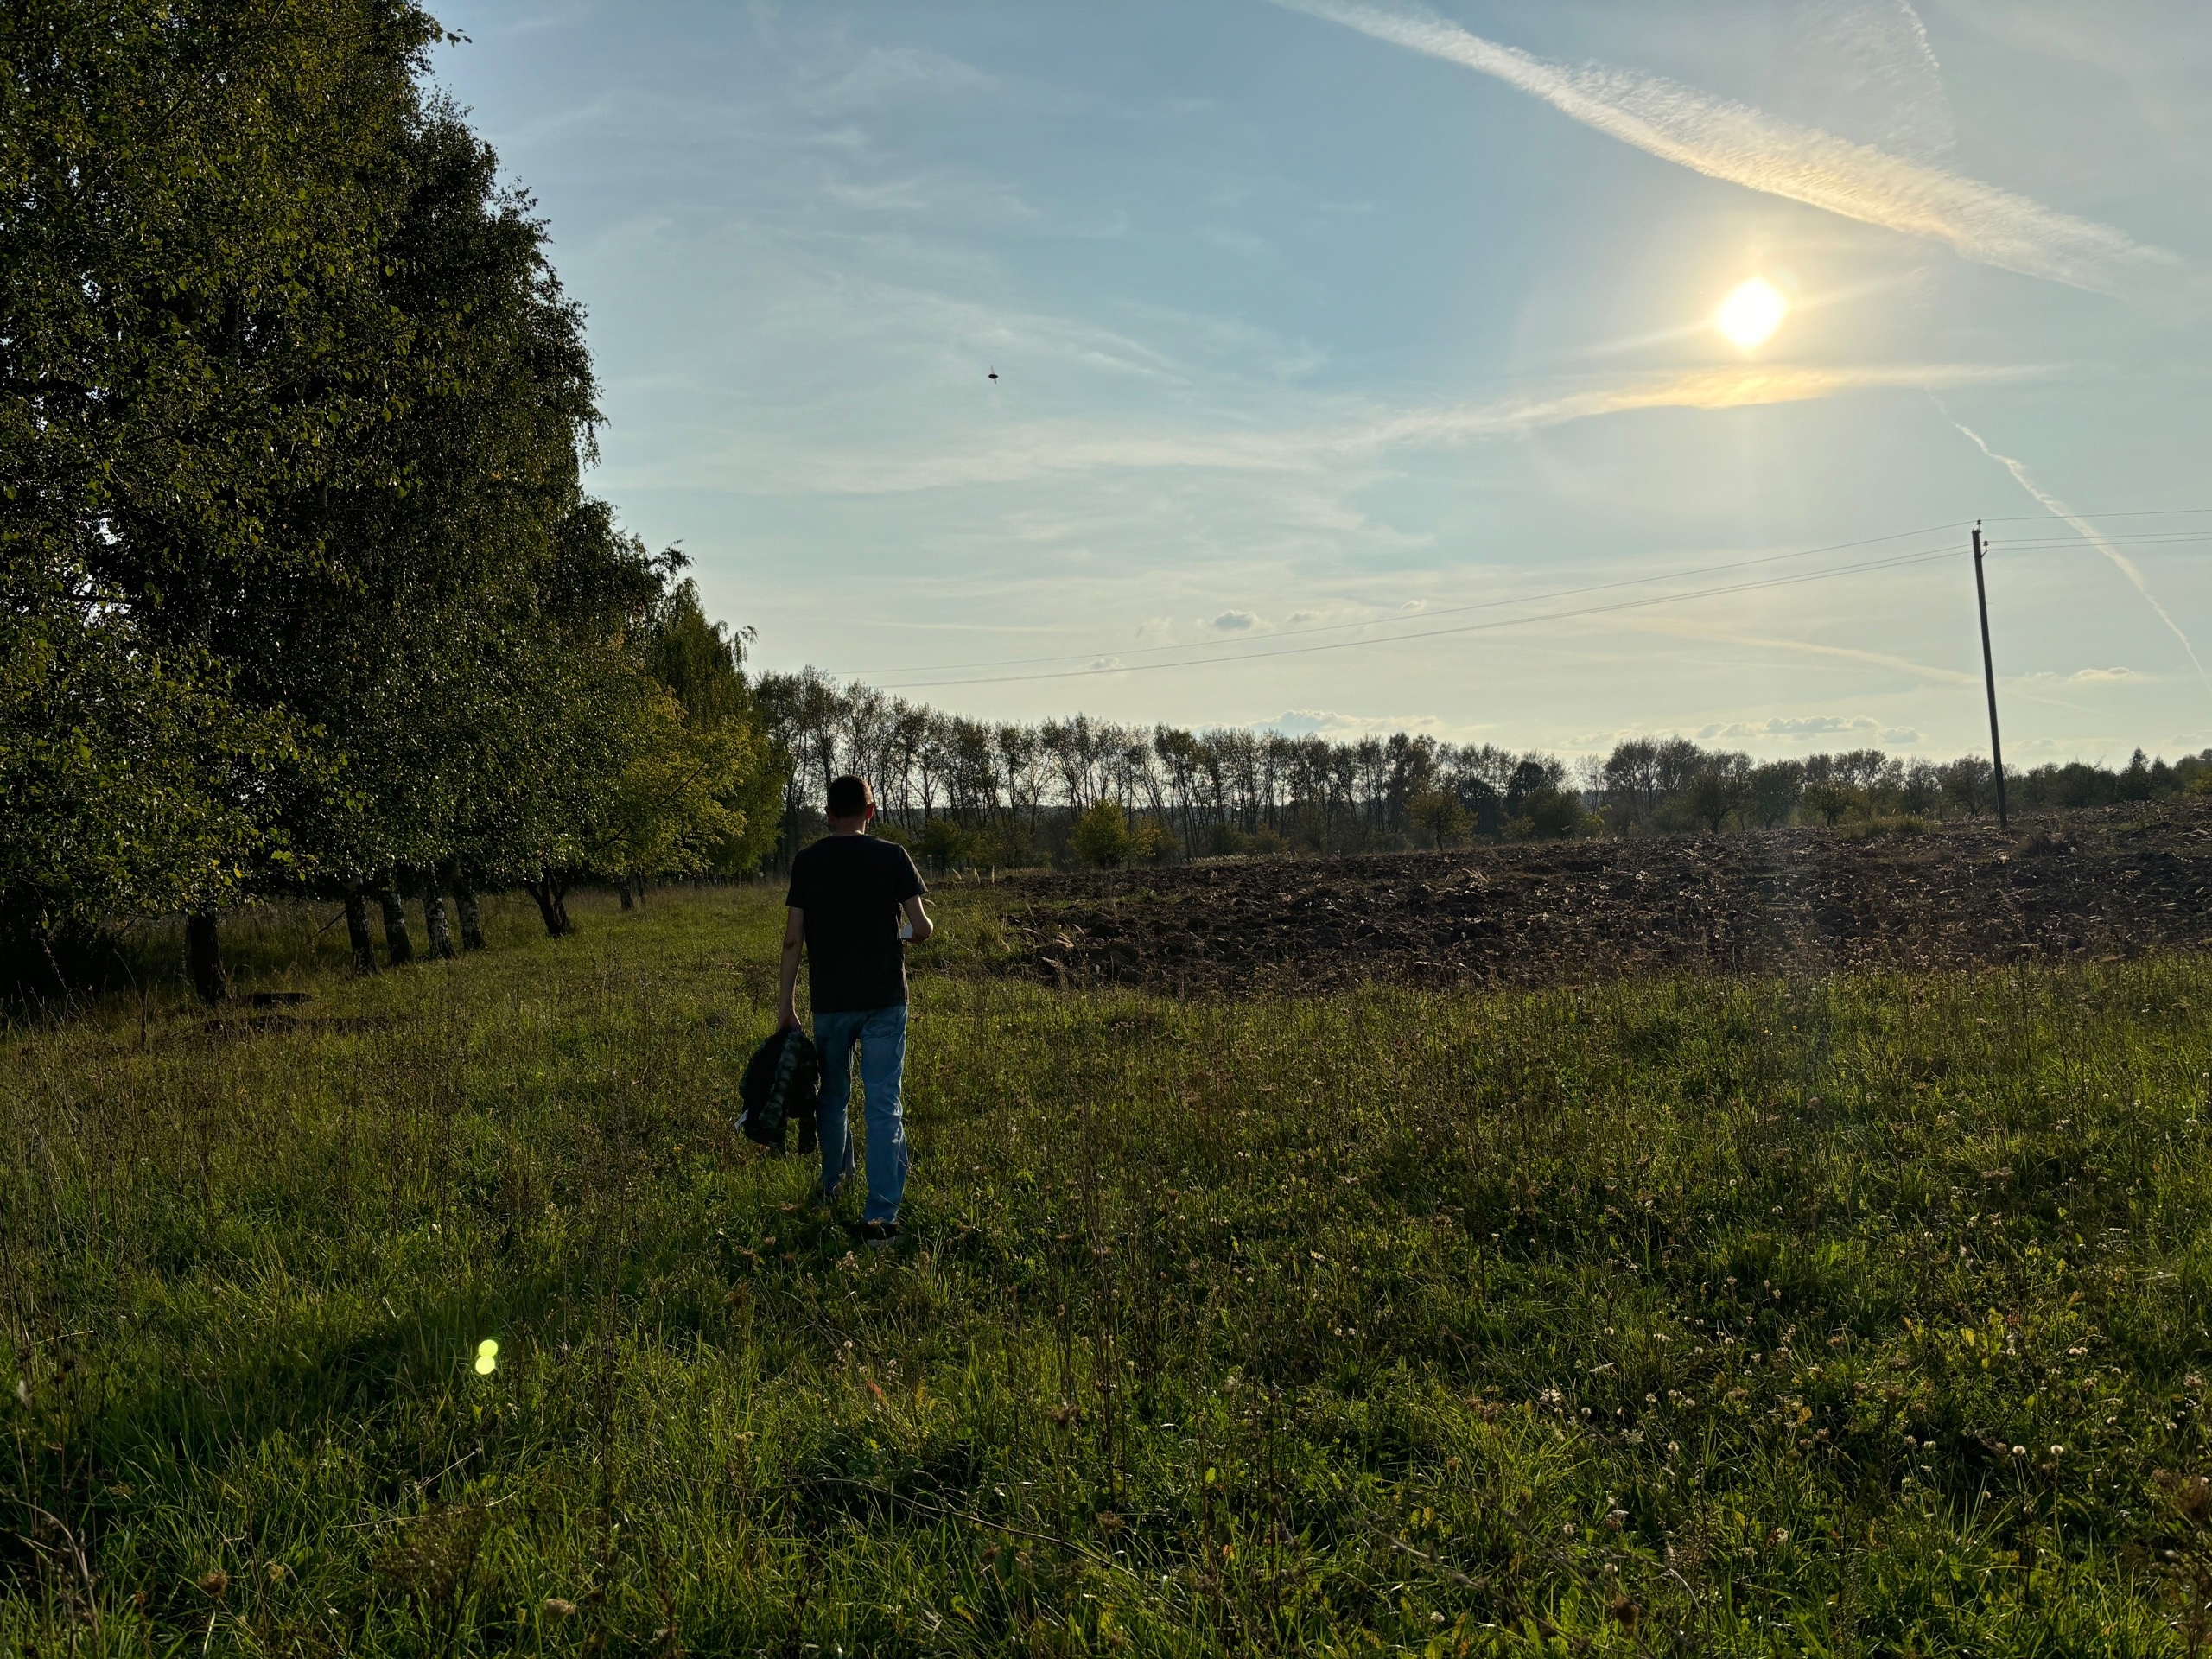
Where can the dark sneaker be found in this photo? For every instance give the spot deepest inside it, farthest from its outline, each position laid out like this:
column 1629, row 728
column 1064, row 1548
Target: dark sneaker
column 876, row 1234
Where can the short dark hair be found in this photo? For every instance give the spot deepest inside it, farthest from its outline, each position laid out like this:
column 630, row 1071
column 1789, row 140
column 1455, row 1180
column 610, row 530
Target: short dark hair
column 850, row 796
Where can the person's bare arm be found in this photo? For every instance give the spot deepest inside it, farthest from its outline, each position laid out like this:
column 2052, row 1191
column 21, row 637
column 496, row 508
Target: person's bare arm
column 794, row 935
column 918, row 919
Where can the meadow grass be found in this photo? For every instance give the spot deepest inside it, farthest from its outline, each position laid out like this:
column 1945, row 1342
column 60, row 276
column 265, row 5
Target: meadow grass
column 1727, row 1317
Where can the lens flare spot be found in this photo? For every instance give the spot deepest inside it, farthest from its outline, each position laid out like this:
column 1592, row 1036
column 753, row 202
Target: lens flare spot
column 1751, row 313
column 487, row 1357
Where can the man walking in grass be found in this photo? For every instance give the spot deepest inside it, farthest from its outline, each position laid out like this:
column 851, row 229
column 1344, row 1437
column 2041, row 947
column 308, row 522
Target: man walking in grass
column 853, row 901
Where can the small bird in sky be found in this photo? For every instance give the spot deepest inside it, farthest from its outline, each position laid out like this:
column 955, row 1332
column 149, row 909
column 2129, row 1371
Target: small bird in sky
column 993, row 374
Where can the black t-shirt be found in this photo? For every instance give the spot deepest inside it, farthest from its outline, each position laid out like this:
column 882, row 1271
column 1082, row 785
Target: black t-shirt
column 851, row 888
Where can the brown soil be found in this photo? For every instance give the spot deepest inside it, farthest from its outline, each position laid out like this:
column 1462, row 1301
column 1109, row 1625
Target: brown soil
column 2091, row 885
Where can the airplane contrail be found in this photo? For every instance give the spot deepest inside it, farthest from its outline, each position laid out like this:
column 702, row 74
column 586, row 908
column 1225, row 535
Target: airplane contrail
column 2082, row 528
column 1727, row 140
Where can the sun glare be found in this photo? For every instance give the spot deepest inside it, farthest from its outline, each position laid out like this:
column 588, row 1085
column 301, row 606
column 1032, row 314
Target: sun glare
column 1750, row 315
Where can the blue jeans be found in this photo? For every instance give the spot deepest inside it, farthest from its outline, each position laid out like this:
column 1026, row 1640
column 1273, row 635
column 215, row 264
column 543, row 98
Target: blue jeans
column 881, row 1034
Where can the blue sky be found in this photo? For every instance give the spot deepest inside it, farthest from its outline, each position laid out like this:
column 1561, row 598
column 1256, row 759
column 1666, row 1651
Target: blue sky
column 1319, row 326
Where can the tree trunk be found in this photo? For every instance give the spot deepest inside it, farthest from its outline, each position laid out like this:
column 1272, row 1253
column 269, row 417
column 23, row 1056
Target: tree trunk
column 434, row 918
column 623, row 887
column 357, row 930
column 203, row 957
column 472, row 917
column 399, row 947
column 551, row 893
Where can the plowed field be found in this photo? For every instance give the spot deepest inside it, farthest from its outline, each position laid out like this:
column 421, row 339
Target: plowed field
column 2089, row 885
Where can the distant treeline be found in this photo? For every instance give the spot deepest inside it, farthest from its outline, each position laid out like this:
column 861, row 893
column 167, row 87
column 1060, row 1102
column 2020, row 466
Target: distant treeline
column 971, row 792
column 300, row 590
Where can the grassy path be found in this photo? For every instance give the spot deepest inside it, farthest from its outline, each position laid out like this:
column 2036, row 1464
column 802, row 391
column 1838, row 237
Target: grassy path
column 1710, row 1317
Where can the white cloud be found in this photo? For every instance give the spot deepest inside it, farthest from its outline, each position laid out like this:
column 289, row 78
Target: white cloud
column 1724, row 139
column 1235, row 622
column 1701, row 389
column 1813, row 728
column 892, row 71
column 1321, row 722
column 935, row 194
column 1233, row 339
column 1796, row 726
column 1865, row 68
column 1044, row 448
column 2102, row 676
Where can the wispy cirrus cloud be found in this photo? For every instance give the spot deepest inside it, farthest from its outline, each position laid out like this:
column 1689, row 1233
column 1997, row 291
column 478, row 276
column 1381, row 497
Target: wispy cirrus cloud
column 889, row 71
column 1701, row 389
column 1867, row 70
column 1724, row 139
column 1692, row 628
column 1047, row 447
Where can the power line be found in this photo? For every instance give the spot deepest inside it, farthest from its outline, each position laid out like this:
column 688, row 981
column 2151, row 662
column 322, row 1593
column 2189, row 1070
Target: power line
column 1922, row 556
column 1451, row 610
column 2174, row 538
column 2147, row 513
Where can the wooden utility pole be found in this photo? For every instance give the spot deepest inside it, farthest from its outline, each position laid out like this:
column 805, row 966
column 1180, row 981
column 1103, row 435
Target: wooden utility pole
column 1989, row 677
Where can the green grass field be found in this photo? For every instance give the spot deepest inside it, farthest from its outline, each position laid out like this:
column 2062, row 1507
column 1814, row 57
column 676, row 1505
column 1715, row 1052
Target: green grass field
column 1867, row 1317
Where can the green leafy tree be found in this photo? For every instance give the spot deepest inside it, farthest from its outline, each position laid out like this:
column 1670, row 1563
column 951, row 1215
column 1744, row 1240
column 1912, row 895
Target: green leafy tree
column 129, row 787
column 1830, row 800
column 702, row 664
column 294, row 415
column 1105, row 835
column 1713, row 795
column 1969, row 785
column 1771, row 792
column 2135, row 781
column 1437, row 814
column 667, row 810
column 1551, row 813
column 470, row 542
column 192, row 205
column 948, row 841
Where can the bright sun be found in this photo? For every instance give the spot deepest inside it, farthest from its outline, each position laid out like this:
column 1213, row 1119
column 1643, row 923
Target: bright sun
column 1751, row 314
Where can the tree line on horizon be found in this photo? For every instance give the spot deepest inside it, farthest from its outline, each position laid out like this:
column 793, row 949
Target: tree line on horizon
column 974, row 793
column 300, row 590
